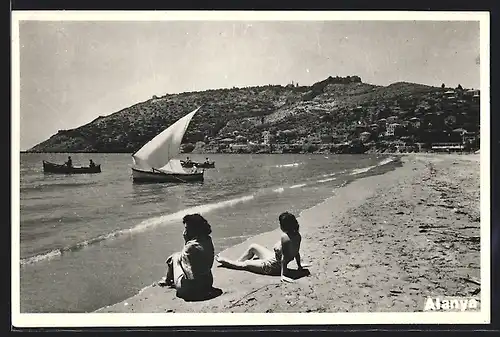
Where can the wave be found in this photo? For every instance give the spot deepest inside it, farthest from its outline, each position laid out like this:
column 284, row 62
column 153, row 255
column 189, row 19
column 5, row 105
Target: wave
column 334, row 173
column 141, row 227
column 279, row 190
column 327, row 179
column 298, row 185
column 362, row 170
column 53, row 186
column 386, row 161
column 288, row 165
column 366, row 169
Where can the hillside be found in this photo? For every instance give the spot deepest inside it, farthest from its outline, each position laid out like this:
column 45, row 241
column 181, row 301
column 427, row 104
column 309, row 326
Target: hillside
column 330, row 111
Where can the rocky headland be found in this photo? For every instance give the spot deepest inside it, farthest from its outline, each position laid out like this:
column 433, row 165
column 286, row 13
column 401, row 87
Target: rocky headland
column 336, row 115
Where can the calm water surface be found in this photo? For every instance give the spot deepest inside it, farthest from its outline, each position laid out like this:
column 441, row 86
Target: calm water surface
column 87, row 241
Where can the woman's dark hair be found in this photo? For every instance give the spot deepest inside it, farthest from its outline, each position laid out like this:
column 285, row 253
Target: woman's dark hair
column 196, row 226
column 288, row 222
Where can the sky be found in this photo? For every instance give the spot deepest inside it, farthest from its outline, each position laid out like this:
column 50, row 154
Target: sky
column 74, row 71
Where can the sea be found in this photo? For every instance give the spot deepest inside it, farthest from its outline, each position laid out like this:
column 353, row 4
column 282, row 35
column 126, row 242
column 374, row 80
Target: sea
column 91, row 240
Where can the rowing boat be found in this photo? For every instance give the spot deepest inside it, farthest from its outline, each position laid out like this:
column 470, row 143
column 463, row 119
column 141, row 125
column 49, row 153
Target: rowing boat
column 49, row 167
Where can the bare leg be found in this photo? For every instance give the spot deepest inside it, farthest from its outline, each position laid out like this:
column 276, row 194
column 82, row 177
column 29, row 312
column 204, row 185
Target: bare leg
column 168, row 280
column 177, row 271
column 256, row 266
column 256, row 251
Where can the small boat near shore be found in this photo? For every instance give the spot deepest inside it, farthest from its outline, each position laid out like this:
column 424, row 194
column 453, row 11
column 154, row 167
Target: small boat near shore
column 205, row 165
column 49, row 167
column 156, row 161
column 160, row 176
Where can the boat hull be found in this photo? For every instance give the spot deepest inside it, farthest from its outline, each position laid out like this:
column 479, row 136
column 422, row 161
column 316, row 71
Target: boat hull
column 49, row 167
column 140, row 176
column 199, row 165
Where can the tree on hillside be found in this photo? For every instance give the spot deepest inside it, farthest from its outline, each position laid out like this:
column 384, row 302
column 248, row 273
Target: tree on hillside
column 442, row 86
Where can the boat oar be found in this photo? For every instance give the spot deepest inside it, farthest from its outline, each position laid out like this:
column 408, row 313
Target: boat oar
column 184, row 181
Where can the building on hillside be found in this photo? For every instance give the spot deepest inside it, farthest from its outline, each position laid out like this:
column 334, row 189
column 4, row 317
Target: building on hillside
column 360, row 128
column 396, row 110
column 450, row 94
column 460, row 131
column 392, row 119
column 391, row 129
column 414, row 119
column 227, row 141
column 241, row 139
column 399, row 144
column 382, row 122
column 239, row 147
column 447, row 147
column 364, row 136
column 314, row 139
column 472, row 92
column 469, row 136
column 266, row 137
column 374, row 127
column 415, row 122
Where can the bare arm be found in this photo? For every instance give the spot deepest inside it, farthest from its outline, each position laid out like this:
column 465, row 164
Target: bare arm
column 284, row 271
column 285, row 259
column 297, row 259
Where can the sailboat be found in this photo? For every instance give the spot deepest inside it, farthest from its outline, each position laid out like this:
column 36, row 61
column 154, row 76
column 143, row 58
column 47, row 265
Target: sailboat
column 156, row 161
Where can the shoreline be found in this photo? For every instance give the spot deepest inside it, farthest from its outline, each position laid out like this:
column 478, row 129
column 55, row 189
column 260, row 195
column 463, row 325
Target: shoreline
column 247, row 292
column 236, row 250
column 463, row 153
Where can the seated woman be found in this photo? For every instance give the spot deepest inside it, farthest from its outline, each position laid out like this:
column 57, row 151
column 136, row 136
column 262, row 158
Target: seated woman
column 190, row 270
column 261, row 260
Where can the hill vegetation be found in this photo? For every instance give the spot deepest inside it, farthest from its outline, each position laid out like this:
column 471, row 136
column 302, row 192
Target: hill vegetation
column 337, row 115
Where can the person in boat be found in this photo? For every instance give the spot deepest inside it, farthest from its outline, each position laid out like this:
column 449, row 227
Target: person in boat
column 207, row 161
column 188, row 160
column 91, row 163
column 194, row 169
column 69, row 163
column 261, row 260
column 190, row 270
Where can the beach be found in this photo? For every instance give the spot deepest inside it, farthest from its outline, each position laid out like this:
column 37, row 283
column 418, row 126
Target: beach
column 382, row 243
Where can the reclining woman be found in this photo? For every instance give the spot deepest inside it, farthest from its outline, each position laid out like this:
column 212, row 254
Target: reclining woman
column 261, row 260
column 190, row 270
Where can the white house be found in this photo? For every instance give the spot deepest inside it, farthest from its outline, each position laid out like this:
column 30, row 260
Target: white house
column 391, row 128
column 266, row 135
column 415, row 122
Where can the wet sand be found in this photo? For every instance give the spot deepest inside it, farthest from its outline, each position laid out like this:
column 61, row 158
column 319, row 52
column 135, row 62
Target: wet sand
column 379, row 244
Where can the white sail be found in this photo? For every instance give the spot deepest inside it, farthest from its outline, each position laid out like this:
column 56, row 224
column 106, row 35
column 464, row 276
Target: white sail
column 173, row 166
column 158, row 152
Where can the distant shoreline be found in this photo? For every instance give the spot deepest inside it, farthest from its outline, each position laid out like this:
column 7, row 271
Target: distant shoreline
column 235, row 153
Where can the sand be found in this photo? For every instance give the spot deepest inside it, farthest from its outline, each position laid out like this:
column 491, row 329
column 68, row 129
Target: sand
column 379, row 244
